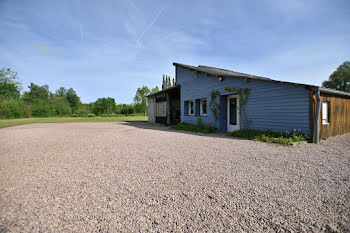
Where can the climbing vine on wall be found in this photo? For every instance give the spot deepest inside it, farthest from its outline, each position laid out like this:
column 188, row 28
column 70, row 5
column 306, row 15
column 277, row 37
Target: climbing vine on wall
column 243, row 94
column 214, row 106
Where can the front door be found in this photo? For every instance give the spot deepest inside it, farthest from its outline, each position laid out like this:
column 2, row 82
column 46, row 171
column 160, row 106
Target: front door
column 232, row 113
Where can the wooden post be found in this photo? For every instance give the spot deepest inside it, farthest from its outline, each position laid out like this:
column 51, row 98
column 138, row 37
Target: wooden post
column 167, row 109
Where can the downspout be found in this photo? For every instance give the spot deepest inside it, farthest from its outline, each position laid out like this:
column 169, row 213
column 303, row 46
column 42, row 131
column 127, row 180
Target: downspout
column 317, row 120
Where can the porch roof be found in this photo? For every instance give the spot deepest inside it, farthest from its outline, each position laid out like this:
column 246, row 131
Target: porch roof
column 165, row 90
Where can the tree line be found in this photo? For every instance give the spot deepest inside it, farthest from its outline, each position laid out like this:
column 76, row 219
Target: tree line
column 39, row 101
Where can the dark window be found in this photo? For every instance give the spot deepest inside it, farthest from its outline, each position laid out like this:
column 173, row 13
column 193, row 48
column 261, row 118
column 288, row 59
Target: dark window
column 190, row 108
column 203, row 107
column 233, row 111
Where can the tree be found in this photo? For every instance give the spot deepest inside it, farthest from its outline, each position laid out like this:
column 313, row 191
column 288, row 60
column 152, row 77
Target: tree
column 141, row 98
column 36, row 93
column 163, row 83
column 168, row 82
column 126, row 109
column 11, row 108
column 339, row 79
column 61, row 105
column 154, row 90
column 104, row 106
column 61, row 92
column 73, row 99
column 10, row 87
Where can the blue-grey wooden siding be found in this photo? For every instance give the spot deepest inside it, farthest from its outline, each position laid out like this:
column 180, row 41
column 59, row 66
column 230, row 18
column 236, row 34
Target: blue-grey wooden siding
column 271, row 105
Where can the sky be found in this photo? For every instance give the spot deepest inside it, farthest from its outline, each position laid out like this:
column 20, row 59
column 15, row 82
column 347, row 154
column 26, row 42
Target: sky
column 110, row 48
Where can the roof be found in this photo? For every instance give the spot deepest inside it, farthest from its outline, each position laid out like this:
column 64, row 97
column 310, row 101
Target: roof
column 332, row 91
column 164, row 91
column 229, row 73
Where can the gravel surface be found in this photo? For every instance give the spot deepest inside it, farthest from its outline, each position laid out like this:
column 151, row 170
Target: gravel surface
column 133, row 177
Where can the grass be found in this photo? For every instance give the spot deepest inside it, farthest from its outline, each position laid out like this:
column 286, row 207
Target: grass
column 21, row 121
column 194, row 128
column 287, row 138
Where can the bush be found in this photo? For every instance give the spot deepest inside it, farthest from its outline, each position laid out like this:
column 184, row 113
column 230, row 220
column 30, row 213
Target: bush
column 194, row 128
column 42, row 109
column 199, row 121
column 61, row 105
column 91, row 115
column 11, row 108
column 287, row 138
column 74, row 115
column 82, row 112
column 27, row 110
column 104, row 115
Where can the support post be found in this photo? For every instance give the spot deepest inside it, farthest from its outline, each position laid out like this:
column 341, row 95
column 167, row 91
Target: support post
column 317, row 117
column 167, row 108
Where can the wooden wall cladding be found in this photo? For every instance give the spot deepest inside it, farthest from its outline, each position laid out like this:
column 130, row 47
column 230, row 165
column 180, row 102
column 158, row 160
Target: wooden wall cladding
column 339, row 116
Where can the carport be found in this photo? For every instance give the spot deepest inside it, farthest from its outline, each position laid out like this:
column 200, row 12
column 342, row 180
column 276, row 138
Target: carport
column 164, row 106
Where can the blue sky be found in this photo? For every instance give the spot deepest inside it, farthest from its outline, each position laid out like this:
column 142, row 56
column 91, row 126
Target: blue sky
column 109, row 48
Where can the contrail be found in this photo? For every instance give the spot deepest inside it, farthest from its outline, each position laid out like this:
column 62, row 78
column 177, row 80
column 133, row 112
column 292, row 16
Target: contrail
column 149, row 26
column 81, row 31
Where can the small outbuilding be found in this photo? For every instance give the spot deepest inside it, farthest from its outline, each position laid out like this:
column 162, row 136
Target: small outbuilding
column 164, row 106
column 215, row 95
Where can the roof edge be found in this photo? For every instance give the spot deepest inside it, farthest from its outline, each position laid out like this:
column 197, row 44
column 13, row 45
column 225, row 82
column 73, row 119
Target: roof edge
column 334, row 92
column 163, row 91
column 249, row 76
column 243, row 75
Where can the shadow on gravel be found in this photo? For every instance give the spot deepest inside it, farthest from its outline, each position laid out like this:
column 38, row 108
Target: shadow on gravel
column 155, row 126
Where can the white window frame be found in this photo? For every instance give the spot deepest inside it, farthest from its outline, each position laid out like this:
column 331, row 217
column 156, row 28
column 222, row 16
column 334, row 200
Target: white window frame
column 325, row 113
column 201, row 107
column 231, row 128
column 189, row 107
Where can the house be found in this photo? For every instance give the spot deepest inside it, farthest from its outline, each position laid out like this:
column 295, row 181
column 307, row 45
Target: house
column 230, row 101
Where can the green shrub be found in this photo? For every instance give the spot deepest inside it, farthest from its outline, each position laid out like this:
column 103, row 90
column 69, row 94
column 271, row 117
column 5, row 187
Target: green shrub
column 91, row 115
column 27, row 110
column 74, row 115
column 194, row 128
column 11, row 108
column 82, row 112
column 286, row 138
column 61, row 105
column 42, row 109
column 104, row 115
column 199, row 121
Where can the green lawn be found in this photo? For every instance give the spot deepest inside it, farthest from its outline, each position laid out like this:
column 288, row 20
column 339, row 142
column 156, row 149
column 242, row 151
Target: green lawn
column 21, row 121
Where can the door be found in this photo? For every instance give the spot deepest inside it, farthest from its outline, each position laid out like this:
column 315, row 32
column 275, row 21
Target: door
column 232, row 113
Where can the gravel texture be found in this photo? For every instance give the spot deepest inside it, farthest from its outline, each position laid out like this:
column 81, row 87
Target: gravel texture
column 133, row 177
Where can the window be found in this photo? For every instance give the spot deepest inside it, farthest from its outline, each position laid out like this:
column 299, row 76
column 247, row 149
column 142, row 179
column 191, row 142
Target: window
column 190, row 108
column 325, row 113
column 161, row 109
column 203, row 107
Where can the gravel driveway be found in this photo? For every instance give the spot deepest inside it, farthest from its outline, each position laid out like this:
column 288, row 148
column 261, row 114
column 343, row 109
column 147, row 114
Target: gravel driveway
column 132, row 177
